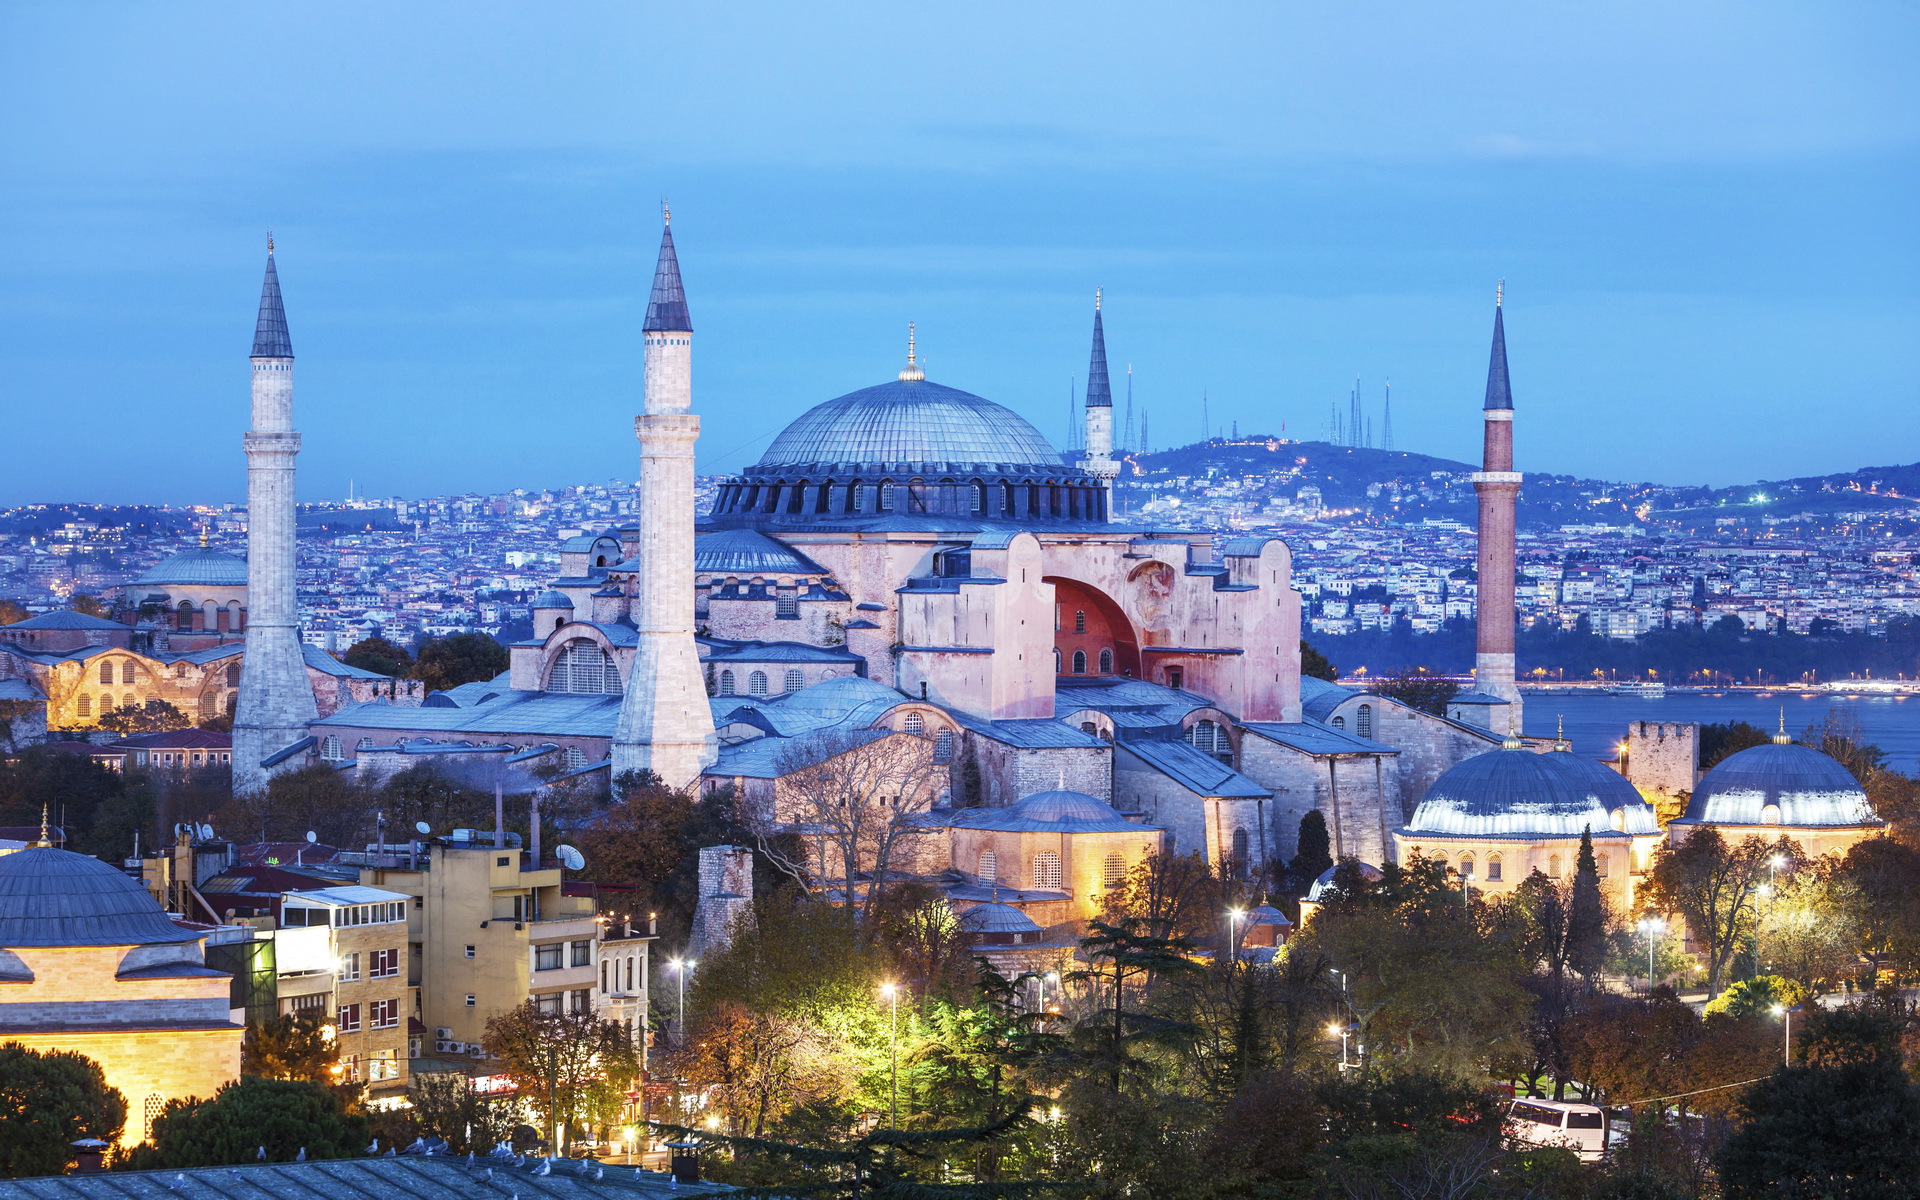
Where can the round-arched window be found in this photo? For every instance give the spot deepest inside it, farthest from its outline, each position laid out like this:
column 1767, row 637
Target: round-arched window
column 757, row 683
column 1079, row 662
column 1106, row 662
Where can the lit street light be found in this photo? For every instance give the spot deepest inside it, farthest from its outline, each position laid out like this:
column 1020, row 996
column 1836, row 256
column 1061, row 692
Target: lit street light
column 1650, row 928
column 1234, row 916
column 680, row 968
column 1786, row 1019
column 892, row 994
column 1343, row 1032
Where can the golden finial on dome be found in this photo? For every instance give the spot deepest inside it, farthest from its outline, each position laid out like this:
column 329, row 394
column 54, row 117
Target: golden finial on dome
column 911, row 372
column 1499, row 292
column 46, row 833
column 666, row 214
column 1096, row 299
column 1780, row 737
column 1512, row 740
column 269, row 241
column 203, row 535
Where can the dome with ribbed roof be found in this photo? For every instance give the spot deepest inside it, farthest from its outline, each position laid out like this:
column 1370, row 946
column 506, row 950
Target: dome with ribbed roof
column 1058, row 811
column 552, row 599
column 51, row 897
column 198, row 567
column 909, row 421
column 996, row 918
column 1515, row 792
column 1782, row 783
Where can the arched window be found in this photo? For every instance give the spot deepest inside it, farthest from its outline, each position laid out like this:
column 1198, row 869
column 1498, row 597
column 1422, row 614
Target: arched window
column 365, row 743
column 209, row 705
column 1056, row 660
column 726, row 683
column 1364, row 725
column 989, row 866
column 1006, row 499
column 575, row 758
column 183, row 615
column 1106, row 662
column 1209, row 738
column 1600, row 865
column 1466, row 866
column 233, row 674
column 1338, row 722
column 1239, row 851
column 1046, row 871
column 854, row 494
column 757, row 684
column 330, row 748
column 1079, row 621
column 1493, row 868
column 886, row 495
column 914, row 724
column 1553, row 867
column 943, row 748
column 1115, row 872
column 127, row 672
column 106, row 672
column 1079, row 662
column 979, row 499
column 582, row 666
column 85, row 706
column 129, row 700
column 795, row 680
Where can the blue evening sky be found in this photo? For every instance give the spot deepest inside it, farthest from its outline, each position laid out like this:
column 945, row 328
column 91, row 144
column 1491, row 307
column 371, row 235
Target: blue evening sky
column 1705, row 214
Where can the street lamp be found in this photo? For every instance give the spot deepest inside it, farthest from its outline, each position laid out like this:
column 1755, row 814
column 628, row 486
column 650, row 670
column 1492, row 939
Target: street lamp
column 1786, row 1019
column 1052, row 977
column 1343, row 1032
column 1234, row 916
column 680, row 968
column 892, row 994
column 1650, row 928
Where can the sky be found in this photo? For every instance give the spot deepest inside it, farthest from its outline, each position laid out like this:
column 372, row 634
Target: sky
column 1703, row 212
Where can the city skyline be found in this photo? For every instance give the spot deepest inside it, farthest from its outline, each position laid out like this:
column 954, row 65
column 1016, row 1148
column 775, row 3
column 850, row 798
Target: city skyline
column 1709, row 252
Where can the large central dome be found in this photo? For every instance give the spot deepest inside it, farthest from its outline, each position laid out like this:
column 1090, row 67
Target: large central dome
column 909, row 421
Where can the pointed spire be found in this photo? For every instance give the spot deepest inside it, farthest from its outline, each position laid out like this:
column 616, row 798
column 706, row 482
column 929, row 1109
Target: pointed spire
column 912, row 372
column 1780, row 737
column 1499, row 391
column 270, row 338
column 667, row 307
column 46, row 832
column 1099, row 391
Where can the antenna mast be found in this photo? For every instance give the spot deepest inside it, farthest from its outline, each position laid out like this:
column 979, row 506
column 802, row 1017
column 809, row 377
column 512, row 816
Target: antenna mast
column 1386, row 420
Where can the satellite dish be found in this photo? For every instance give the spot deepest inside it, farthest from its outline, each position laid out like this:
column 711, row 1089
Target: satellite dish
column 422, row 828
column 206, row 831
column 572, row 859
column 312, row 836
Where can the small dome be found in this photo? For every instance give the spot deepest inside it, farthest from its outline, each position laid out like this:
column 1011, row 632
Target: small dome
column 1798, row 783
column 1266, row 914
column 996, row 918
column 1064, row 806
column 909, row 421
column 1053, row 812
column 552, row 599
column 1323, row 883
column 1514, row 792
column 836, row 698
column 52, row 897
column 200, row 566
column 747, row 551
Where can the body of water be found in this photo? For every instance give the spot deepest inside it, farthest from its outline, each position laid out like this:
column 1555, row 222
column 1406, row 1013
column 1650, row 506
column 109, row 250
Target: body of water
column 1595, row 723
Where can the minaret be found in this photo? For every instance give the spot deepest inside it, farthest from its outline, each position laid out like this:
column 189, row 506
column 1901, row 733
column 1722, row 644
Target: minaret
column 1099, row 449
column 275, row 701
column 665, row 725
column 1498, row 485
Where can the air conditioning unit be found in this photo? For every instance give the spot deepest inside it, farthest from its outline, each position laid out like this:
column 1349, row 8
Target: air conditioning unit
column 443, row 1033
column 475, row 1049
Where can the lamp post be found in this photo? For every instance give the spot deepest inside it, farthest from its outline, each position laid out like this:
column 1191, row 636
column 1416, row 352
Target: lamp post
column 1650, row 928
column 1234, row 916
column 1343, row 1031
column 680, row 968
column 892, row 994
column 1786, row 1019
column 1052, row 977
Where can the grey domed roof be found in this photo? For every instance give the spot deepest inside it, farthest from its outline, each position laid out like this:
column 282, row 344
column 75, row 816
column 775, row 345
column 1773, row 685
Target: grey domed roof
column 1055, row 811
column 1515, row 792
column 199, row 566
column 52, row 897
column 747, row 550
column 1323, row 882
column 996, row 918
column 1804, row 786
column 909, row 421
column 551, row 599
column 1266, row 914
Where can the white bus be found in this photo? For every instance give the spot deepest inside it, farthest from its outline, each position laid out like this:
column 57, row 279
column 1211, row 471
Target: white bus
column 1581, row 1128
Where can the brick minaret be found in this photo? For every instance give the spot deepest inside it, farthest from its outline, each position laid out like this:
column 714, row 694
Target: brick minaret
column 1498, row 485
column 1099, row 458
column 665, row 725
column 275, row 701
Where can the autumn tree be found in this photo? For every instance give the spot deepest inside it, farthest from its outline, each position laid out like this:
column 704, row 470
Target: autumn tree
column 573, row 1068
column 847, row 796
column 448, row 662
column 1714, row 887
column 154, row 716
column 48, row 1100
column 446, row 1104
column 11, row 613
column 291, row 1046
column 378, row 655
column 87, row 605
column 1315, row 665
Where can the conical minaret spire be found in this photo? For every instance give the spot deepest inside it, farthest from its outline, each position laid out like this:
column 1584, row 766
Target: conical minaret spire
column 1498, row 486
column 275, row 701
column 1099, row 413
column 665, row 726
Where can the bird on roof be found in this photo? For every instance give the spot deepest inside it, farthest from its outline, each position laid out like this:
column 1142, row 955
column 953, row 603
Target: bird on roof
column 374, row 1147
column 302, row 1156
column 261, row 1154
column 469, row 1158
column 489, row 1175
column 545, row 1168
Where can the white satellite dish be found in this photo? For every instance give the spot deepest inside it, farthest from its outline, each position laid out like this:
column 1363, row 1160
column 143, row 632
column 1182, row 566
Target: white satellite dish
column 572, row 859
column 312, row 836
column 422, row 828
column 206, row 831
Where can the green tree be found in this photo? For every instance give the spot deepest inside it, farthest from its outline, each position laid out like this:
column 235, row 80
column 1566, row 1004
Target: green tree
column 72, row 787
column 1721, row 740
column 291, row 1046
column 284, row 1116
column 1315, row 853
column 154, row 716
column 90, row 605
column 1417, row 687
column 448, row 662
column 314, row 798
column 1123, row 955
column 1757, row 997
column 1315, row 665
column 1714, row 886
column 1587, row 917
column 573, row 1068
column 446, row 1104
column 379, row 655
column 48, row 1100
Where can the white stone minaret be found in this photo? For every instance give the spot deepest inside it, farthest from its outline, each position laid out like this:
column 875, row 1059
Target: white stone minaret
column 275, row 701
column 1099, row 460
column 665, row 725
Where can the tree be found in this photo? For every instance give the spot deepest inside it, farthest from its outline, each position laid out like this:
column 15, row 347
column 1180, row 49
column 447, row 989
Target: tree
column 848, row 790
column 1127, row 952
column 1756, row 997
column 573, row 1068
column 379, row 655
column 1315, row 665
column 1586, row 913
column 448, row 662
column 1847, row 1124
column 284, row 1116
column 291, row 1046
column 48, row 1100
column 650, row 837
column 1721, row 740
column 1315, row 854
column 1880, row 879
column 155, row 716
column 1417, row 688
column 11, row 613
column 90, row 605
column 447, row 1105
column 1712, row 886
column 315, row 798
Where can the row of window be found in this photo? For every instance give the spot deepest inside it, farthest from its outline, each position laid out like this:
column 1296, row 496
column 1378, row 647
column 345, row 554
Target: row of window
column 381, row 1014
column 757, row 682
column 1052, row 499
column 1362, row 721
column 332, row 750
column 578, row 1001
column 916, row 724
column 130, row 672
column 1080, row 662
column 384, row 913
column 1556, row 866
column 1046, row 869
column 554, row 955
column 630, row 961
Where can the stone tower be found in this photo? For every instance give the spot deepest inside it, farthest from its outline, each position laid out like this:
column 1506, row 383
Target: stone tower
column 665, row 725
column 1498, row 485
column 1099, row 460
column 275, row 701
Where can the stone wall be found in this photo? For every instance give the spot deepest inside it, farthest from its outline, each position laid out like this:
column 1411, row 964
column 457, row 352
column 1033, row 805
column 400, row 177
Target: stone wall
column 726, row 897
column 1663, row 756
column 1358, row 793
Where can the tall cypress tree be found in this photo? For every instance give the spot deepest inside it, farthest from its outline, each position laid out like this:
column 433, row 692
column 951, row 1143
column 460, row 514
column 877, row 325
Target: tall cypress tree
column 1587, row 913
column 1314, row 855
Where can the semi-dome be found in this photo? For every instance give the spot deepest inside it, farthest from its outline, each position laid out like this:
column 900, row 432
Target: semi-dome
column 198, row 567
column 996, row 918
column 909, row 421
column 1515, row 792
column 51, row 897
column 1782, row 783
column 1058, row 811
column 1326, row 881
